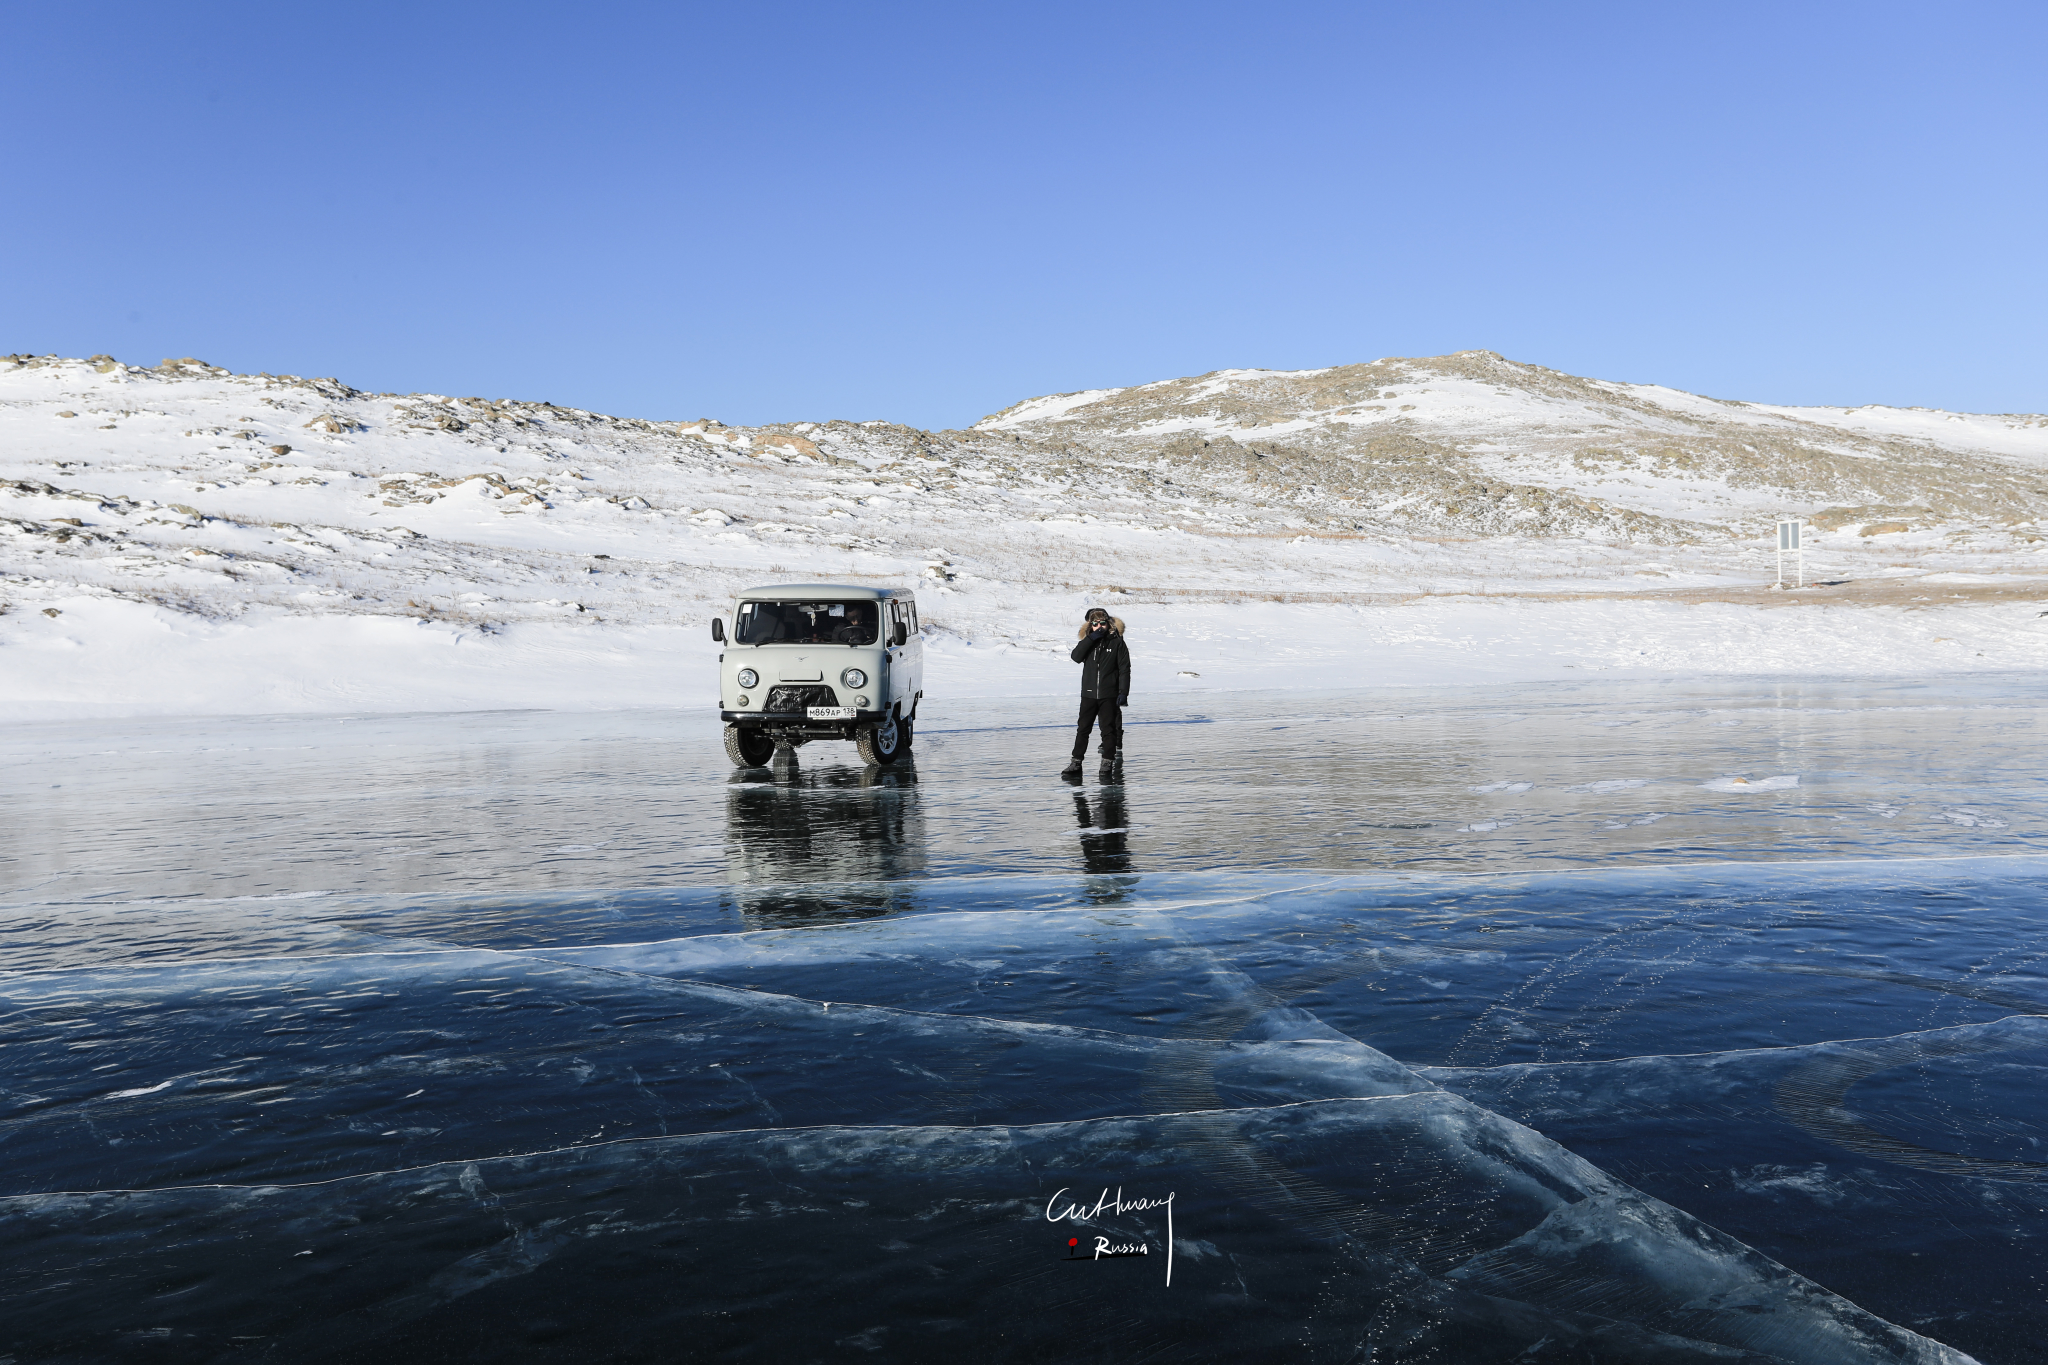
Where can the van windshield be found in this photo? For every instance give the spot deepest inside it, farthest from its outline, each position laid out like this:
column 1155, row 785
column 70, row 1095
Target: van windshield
column 806, row 623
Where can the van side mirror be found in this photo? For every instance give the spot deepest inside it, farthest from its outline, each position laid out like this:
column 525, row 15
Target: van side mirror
column 902, row 633
column 718, row 629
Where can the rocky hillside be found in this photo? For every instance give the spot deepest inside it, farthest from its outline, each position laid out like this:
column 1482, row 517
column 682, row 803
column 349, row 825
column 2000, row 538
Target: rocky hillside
column 1473, row 444
column 181, row 486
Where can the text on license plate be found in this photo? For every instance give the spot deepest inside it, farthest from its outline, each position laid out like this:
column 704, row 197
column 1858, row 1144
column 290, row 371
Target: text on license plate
column 829, row 712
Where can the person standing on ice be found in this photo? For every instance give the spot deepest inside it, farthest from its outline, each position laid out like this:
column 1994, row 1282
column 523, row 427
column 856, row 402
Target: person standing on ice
column 1105, row 689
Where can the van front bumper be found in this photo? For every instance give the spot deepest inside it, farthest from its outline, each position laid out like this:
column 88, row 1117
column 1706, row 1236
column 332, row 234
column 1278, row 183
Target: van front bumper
column 800, row 723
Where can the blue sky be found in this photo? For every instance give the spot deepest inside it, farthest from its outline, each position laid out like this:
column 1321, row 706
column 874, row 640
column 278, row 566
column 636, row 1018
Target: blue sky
column 927, row 212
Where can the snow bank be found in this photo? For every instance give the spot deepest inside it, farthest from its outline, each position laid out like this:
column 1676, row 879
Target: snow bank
column 105, row 657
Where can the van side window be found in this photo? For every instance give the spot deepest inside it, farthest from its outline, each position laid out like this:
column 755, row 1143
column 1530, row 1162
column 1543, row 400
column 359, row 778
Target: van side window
column 910, row 605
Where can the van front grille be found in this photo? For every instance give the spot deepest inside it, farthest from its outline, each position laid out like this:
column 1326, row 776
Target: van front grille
column 787, row 698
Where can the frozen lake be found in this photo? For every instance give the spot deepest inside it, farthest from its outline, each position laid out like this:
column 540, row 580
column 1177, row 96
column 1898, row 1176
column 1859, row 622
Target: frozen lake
column 1573, row 1022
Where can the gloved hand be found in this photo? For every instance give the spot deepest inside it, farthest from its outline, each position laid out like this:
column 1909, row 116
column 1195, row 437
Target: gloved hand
column 1122, row 702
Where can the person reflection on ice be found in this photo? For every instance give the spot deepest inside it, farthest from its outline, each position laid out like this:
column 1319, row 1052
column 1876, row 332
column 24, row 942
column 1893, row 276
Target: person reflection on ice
column 1104, row 828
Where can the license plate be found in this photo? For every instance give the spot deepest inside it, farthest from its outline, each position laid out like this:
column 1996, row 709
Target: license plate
column 829, row 712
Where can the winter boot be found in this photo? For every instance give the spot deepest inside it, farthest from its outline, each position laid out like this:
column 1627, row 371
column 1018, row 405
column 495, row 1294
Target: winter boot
column 1073, row 768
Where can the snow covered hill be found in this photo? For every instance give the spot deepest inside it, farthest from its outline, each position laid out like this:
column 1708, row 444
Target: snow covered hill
column 179, row 538
column 1476, row 444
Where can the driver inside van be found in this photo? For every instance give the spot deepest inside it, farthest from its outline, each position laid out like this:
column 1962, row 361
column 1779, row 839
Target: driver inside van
column 857, row 627
column 807, row 623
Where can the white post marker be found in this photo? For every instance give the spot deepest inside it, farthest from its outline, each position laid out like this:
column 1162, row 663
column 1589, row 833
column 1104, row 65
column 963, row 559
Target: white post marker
column 1788, row 543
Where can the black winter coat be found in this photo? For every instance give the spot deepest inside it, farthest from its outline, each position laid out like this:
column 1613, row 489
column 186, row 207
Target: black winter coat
column 1105, row 663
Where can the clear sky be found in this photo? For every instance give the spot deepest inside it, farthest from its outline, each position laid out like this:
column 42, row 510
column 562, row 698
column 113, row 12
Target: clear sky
column 925, row 212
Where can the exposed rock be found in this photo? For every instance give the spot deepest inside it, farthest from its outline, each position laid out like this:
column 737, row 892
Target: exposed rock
column 783, row 441
column 1884, row 528
column 1835, row 518
column 280, row 450
column 67, row 413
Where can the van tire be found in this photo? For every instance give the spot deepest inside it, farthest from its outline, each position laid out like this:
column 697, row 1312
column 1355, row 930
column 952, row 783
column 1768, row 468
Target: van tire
column 881, row 744
column 749, row 748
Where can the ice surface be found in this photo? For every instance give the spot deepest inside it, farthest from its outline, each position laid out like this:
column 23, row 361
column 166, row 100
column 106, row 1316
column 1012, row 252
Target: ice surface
column 1419, row 1225
column 534, row 1035
column 1934, row 1130
column 474, row 805
column 317, row 1068
column 523, row 1112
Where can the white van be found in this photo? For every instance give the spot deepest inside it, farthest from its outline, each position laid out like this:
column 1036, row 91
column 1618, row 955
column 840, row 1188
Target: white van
column 820, row 661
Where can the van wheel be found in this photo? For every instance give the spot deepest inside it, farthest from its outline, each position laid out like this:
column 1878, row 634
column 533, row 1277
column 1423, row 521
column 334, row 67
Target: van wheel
column 749, row 748
column 880, row 743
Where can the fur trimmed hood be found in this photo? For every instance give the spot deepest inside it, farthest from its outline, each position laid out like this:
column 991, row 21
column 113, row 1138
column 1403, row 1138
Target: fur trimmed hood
column 1116, row 627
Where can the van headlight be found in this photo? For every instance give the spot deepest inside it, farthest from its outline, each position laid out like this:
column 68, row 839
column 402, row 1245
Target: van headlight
column 748, row 677
column 854, row 677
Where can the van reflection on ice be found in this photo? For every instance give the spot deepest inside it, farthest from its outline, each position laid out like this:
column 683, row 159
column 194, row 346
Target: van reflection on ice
column 787, row 826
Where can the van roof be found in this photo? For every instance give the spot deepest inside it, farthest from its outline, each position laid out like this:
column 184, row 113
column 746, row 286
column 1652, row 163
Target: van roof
column 828, row 592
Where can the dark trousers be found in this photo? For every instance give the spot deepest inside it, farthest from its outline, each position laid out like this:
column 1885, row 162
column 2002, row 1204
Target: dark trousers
column 1112, row 717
